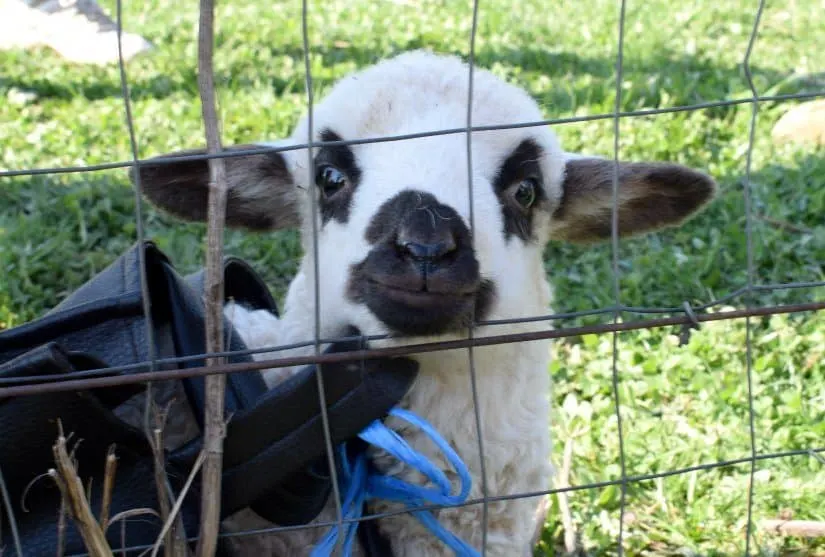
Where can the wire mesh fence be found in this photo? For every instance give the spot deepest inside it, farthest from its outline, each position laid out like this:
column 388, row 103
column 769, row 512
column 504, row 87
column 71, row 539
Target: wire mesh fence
column 622, row 317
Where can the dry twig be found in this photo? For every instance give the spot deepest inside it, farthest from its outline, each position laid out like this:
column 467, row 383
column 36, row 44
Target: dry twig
column 132, row 513
column 539, row 519
column 176, row 509
column 563, row 481
column 214, row 427
column 801, row 528
column 160, row 478
column 4, row 495
column 785, row 225
column 174, row 540
column 61, row 529
column 77, row 504
column 108, row 486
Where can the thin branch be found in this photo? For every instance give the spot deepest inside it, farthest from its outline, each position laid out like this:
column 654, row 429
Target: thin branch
column 108, row 487
column 800, row 528
column 61, row 528
column 160, row 487
column 123, row 538
column 785, row 225
column 132, row 513
column 174, row 540
column 179, row 503
column 214, row 426
column 4, row 495
column 540, row 520
column 77, row 505
column 564, row 503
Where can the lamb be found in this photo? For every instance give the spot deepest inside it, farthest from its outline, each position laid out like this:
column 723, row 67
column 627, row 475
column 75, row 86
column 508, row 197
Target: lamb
column 399, row 258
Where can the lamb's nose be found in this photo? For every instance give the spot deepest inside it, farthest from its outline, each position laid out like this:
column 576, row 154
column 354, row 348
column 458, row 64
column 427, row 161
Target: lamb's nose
column 424, row 237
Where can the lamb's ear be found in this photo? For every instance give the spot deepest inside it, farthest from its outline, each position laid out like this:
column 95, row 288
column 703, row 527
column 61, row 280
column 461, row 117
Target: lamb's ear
column 650, row 196
column 262, row 195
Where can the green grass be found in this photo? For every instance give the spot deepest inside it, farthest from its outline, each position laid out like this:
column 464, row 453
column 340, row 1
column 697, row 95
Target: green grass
column 681, row 406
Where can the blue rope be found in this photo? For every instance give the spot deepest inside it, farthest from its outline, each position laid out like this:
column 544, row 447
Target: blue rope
column 359, row 481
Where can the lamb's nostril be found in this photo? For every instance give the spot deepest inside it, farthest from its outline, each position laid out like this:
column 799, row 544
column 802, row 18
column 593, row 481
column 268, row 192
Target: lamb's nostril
column 427, row 252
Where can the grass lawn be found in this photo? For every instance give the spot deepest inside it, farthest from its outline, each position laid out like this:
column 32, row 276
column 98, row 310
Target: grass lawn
column 681, row 405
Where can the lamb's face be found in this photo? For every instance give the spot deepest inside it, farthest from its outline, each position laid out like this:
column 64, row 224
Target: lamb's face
column 398, row 243
column 400, row 249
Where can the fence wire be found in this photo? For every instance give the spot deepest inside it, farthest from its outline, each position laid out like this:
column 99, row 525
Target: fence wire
column 614, row 249
column 750, row 269
column 418, row 135
column 316, row 274
column 470, row 352
column 139, row 228
column 686, row 315
column 813, row 453
column 98, row 380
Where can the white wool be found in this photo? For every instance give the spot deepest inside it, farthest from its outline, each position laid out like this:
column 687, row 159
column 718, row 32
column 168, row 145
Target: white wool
column 420, row 92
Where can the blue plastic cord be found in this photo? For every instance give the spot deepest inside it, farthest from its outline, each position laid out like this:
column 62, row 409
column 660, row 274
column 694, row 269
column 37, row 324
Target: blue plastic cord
column 359, row 482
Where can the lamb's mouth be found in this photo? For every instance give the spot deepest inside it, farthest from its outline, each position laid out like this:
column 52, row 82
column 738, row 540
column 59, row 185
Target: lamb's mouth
column 424, row 312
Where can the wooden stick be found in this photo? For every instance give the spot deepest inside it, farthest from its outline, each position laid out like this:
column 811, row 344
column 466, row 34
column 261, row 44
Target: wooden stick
column 61, row 529
column 564, row 505
column 214, row 425
column 9, row 509
column 132, row 513
column 540, row 518
column 77, row 504
column 801, row 528
column 160, row 487
column 108, row 487
column 174, row 541
column 179, row 503
column 785, row 225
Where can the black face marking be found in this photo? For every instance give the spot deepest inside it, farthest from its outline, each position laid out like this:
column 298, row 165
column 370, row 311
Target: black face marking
column 421, row 276
column 429, row 314
column 522, row 165
column 341, row 158
column 411, row 204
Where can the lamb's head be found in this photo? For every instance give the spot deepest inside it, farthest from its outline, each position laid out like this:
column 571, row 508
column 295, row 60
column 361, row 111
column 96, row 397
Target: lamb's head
column 400, row 249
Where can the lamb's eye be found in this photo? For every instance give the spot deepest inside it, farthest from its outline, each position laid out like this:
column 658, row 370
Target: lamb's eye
column 525, row 193
column 330, row 179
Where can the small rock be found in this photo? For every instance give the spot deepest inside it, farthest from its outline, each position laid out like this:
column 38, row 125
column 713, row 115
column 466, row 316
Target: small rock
column 630, row 518
column 804, row 123
column 20, row 97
